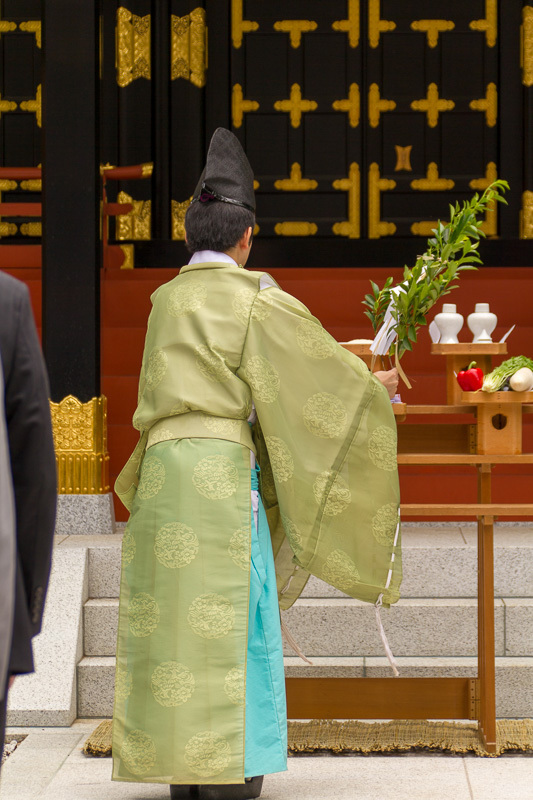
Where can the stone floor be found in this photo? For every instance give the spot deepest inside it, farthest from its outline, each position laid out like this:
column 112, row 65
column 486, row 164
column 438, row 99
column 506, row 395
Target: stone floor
column 49, row 765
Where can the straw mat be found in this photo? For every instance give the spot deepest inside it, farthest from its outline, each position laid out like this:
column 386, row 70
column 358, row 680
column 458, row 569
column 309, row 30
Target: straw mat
column 355, row 736
column 401, row 735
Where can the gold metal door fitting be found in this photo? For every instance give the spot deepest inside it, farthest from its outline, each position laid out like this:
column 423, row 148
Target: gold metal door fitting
column 133, row 51
column 189, row 47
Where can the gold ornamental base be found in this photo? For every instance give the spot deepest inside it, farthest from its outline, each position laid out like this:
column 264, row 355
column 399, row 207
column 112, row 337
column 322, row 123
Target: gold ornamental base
column 80, row 441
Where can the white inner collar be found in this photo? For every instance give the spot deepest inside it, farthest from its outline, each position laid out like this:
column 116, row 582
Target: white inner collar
column 205, row 256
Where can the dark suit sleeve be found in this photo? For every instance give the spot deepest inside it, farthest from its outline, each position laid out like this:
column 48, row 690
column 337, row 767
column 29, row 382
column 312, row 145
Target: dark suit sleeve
column 32, row 458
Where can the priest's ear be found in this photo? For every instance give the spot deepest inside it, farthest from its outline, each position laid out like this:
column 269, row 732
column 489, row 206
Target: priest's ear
column 246, row 239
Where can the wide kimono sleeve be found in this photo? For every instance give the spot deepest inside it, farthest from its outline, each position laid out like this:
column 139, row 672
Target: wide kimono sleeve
column 326, row 441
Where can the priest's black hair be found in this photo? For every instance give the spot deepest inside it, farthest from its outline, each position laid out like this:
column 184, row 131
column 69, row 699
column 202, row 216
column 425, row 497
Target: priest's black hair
column 216, row 226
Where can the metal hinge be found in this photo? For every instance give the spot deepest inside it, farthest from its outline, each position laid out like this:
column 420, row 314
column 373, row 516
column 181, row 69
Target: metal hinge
column 474, row 697
column 189, row 47
column 472, row 439
column 133, row 55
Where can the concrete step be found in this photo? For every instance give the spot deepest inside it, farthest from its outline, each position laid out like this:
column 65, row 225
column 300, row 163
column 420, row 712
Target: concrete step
column 345, row 627
column 514, row 678
column 438, row 562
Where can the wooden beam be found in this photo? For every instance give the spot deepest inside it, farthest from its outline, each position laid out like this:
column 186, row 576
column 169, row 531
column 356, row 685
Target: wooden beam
column 379, row 698
column 467, row 509
column 436, row 409
column 443, row 459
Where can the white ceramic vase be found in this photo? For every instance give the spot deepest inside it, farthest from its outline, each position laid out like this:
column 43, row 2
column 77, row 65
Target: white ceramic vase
column 482, row 322
column 449, row 323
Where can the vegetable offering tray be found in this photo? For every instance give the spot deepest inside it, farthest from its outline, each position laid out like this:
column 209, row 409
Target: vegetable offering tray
column 477, row 398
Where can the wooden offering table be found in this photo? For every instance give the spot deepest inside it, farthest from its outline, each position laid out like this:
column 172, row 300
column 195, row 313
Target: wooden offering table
column 489, row 433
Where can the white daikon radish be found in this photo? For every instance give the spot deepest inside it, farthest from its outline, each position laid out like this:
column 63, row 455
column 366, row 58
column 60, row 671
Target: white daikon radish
column 522, row 380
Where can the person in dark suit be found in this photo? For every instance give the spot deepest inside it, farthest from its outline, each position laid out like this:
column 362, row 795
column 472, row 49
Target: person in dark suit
column 33, row 471
column 7, row 549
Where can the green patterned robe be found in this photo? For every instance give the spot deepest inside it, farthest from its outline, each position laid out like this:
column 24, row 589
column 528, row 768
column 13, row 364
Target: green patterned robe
column 326, row 443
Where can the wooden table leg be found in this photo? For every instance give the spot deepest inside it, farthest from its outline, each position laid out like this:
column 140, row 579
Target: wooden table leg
column 486, row 651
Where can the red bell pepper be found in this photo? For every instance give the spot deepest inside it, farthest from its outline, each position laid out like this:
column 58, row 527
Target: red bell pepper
column 471, row 378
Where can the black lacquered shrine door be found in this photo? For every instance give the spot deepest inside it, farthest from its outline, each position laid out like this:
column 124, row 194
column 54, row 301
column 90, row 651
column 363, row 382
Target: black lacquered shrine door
column 363, row 119
column 20, row 111
column 394, row 104
column 295, row 103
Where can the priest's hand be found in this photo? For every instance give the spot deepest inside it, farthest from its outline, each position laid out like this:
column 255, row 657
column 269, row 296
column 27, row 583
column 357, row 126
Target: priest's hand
column 389, row 379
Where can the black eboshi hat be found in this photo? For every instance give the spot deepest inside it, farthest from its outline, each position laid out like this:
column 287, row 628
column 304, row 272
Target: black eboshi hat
column 227, row 175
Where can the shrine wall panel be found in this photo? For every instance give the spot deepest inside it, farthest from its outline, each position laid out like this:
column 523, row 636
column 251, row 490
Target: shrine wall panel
column 334, row 296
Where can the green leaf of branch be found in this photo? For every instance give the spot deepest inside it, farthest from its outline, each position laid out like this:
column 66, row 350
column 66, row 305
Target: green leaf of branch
column 452, row 250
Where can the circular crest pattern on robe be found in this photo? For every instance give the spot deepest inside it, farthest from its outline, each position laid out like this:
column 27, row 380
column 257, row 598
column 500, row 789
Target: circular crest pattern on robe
column 176, row 545
column 280, row 458
column 186, row 300
column 129, row 546
column 123, row 683
column 221, row 425
column 263, row 378
column 172, row 684
column 293, row 533
column 211, row 616
column 239, row 549
column 234, row 685
column 325, row 415
column 143, row 614
column 340, row 570
column 156, row 368
column 161, row 435
column 207, row 754
column 138, row 752
column 314, row 341
column 152, row 477
column 382, row 448
column 216, row 477
column 245, row 308
column 339, row 497
column 211, row 365
column 384, row 524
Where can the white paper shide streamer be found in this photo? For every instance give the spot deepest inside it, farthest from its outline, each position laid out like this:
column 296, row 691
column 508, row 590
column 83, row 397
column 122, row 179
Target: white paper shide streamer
column 379, row 603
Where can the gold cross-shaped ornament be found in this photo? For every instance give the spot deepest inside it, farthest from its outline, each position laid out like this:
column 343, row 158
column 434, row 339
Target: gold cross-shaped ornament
column 295, row 28
column 433, row 105
column 352, row 104
column 295, row 105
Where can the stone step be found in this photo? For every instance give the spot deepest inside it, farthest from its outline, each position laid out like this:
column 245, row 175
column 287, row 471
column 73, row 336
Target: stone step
column 442, row 562
column 100, row 622
column 514, row 678
column 346, row 627
column 438, row 562
column 48, row 695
